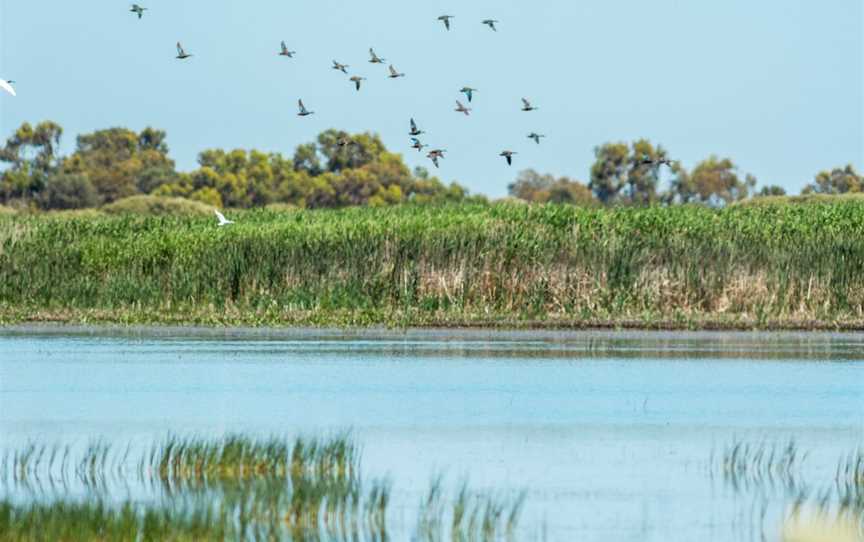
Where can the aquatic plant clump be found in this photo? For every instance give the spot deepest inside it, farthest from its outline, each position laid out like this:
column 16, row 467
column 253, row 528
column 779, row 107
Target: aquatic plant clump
column 762, row 464
column 469, row 515
column 230, row 488
column 796, row 266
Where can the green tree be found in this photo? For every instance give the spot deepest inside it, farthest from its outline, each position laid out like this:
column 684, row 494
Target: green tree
column 620, row 175
column 68, row 191
column 344, row 151
column 531, row 186
column 643, row 179
column 837, row 181
column 306, row 159
column 571, row 192
column 714, row 181
column 771, row 190
column 609, row 171
column 31, row 155
column 121, row 163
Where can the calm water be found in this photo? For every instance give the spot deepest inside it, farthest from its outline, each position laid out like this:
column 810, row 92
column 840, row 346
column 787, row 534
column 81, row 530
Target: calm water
column 612, row 435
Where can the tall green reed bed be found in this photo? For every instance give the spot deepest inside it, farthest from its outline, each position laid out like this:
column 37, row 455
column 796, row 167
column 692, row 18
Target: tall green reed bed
column 774, row 265
column 234, row 488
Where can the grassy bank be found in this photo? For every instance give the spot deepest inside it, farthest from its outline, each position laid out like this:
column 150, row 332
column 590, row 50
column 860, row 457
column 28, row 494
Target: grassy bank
column 769, row 266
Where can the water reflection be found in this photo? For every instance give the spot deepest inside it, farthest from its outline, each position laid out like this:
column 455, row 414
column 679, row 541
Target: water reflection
column 641, row 436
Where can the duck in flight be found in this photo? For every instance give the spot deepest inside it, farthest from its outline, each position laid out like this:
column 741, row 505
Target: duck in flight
column 662, row 161
column 221, row 218
column 462, row 109
column 138, row 10
column 491, row 24
column 414, row 130
column 344, row 141
column 526, row 105
column 468, row 92
column 181, row 53
column 375, row 59
column 535, row 136
column 509, row 156
column 446, row 20
column 394, row 74
column 416, row 144
column 357, row 79
column 286, row 52
column 341, row 67
column 436, row 154
column 303, row 111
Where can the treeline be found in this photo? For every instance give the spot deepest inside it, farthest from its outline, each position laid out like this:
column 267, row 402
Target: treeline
column 341, row 170
column 630, row 175
column 337, row 170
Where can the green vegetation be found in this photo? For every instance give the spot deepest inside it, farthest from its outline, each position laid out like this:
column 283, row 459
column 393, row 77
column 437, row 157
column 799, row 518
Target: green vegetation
column 341, row 170
column 797, row 266
column 337, row 170
column 837, row 181
column 747, row 464
column 230, row 488
column 811, row 198
column 472, row 516
column 158, row 206
column 757, row 469
column 620, row 175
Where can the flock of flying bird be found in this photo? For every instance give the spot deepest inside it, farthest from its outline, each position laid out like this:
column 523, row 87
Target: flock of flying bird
column 433, row 154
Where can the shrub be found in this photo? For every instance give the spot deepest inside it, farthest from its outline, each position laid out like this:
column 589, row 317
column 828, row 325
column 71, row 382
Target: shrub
column 154, row 205
column 69, row 191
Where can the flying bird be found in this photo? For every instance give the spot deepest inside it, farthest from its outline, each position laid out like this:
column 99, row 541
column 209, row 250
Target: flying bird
column 375, row 59
column 446, row 20
column 435, row 154
column 663, row 161
column 526, row 105
column 344, row 141
column 509, row 156
column 356, row 79
column 7, row 86
column 416, row 144
column 469, row 92
column 491, row 24
column 181, row 53
column 394, row 74
column 341, row 67
column 222, row 220
column 414, row 130
column 138, row 10
column 286, row 52
column 462, row 109
column 303, row 111
column 535, row 136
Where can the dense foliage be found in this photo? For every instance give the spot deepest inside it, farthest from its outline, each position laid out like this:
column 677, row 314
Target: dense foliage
column 631, row 175
column 337, row 170
column 341, row 170
column 444, row 264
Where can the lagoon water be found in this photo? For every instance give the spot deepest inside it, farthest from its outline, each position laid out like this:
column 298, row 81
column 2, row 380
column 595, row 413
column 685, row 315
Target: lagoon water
column 614, row 436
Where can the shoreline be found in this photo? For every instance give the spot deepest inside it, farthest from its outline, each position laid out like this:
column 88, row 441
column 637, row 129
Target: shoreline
column 444, row 343
column 468, row 329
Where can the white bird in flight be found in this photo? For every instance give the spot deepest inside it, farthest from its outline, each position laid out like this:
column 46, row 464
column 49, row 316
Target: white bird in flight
column 222, row 220
column 7, row 86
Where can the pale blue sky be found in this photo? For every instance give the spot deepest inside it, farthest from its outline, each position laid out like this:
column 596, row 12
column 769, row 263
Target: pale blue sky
column 777, row 85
